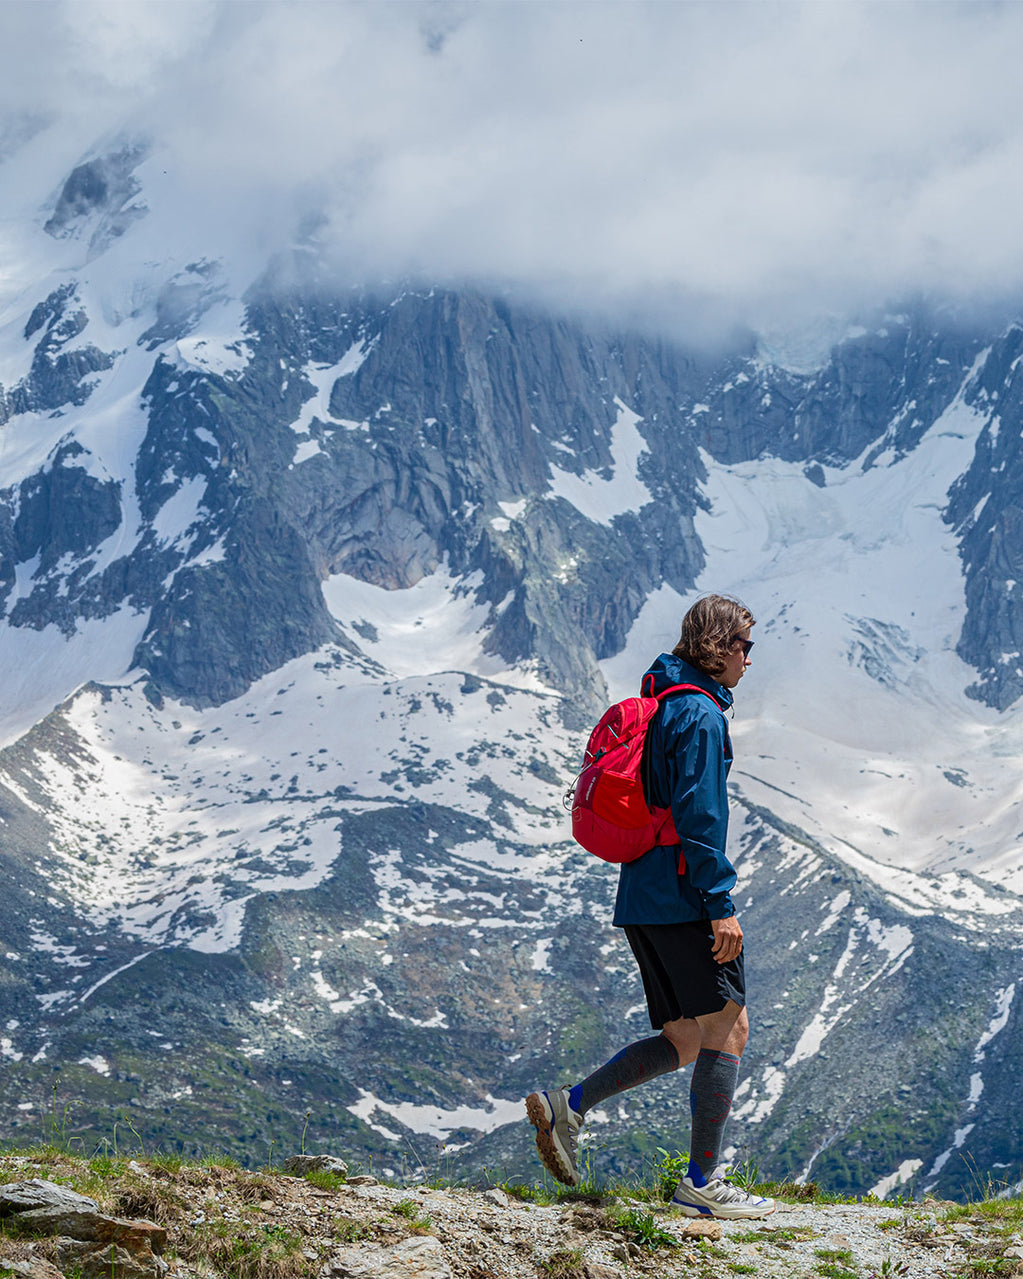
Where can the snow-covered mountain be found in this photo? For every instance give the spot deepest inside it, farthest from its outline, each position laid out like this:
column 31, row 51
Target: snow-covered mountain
column 309, row 593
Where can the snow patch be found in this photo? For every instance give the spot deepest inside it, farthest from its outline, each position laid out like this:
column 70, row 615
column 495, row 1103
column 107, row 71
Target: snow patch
column 433, row 1121
column 600, row 498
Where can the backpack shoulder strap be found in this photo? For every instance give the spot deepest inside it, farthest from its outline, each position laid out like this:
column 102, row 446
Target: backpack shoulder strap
column 679, row 688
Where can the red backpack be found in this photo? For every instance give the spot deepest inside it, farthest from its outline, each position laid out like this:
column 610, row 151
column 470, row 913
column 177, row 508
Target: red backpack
column 610, row 816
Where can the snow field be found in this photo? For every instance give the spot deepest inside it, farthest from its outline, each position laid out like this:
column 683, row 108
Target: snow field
column 167, row 822
column 852, row 722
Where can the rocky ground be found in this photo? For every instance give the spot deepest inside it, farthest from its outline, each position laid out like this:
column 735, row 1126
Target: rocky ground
column 159, row 1219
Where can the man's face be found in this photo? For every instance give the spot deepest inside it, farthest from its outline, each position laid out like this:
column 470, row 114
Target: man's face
column 736, row 662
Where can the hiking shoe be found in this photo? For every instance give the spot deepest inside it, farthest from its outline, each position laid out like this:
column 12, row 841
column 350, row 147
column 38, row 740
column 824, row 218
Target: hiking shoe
column 719, row 1198
column 557, row 1126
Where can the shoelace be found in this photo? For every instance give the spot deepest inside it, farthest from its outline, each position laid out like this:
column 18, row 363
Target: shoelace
column 732, row 1193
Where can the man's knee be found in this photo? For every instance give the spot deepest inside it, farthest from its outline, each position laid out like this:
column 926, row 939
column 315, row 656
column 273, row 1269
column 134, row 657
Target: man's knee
column 725, row 1031
column 684, row 1035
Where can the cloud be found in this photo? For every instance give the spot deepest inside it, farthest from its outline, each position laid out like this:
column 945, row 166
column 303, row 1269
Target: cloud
column 746, row 162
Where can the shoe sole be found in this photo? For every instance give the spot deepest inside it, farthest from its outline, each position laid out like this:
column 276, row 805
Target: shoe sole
column 751, row 1213
column 541, row 1119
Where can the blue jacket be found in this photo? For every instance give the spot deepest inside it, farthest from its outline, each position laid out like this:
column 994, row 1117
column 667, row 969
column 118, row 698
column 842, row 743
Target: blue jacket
column 686, row 761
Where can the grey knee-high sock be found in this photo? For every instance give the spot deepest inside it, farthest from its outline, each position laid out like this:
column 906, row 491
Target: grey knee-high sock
column 710, row 1099
column 645, row 1059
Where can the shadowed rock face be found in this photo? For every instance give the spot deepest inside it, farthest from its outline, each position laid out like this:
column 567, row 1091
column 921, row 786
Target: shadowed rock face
column 459, row 404
column 99, row 195
column 986, row 509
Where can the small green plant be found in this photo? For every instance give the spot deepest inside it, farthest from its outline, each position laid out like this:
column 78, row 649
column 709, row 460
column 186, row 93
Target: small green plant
column 528, row 1192
column 741, row 1268
column 835, row 1263
column 669, row 1168
column 348, row 1230
column 59, row 1121
column 168, row 1161
column 642, row 1228
column 566, row 1263
column 409, row 1209
column 890, row 1269
column 745, row 1175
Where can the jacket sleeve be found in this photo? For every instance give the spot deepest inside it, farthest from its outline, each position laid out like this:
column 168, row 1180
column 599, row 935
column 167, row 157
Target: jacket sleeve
column 699, row 807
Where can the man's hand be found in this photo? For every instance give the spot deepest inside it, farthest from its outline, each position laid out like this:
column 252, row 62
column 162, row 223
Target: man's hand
column 727, row 939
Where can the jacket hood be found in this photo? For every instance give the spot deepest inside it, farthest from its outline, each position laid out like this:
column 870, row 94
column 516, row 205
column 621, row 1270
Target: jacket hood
column 669, row 669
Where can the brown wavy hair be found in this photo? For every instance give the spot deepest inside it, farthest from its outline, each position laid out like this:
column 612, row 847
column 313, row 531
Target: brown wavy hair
column 708, row 630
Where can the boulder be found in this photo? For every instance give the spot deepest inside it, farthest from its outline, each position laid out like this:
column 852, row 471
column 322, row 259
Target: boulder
column 108, row 1261
column 93, row 1227
column 299, row 1165
column 27, row 1196
column 418, row 1258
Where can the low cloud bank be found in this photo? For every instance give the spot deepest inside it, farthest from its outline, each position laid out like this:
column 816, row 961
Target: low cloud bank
column 743, row 163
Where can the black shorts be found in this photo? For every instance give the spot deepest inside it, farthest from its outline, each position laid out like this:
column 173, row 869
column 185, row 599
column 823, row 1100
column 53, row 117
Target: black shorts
column 680, row 976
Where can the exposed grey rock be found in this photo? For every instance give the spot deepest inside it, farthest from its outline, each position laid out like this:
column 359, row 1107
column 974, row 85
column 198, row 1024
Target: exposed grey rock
column 86, row 1224
column 417, row 1258
column 881, row 390
column 182, row 302
column 99, row 196
column 109, row 1261
column 18, row 1197
column 986, row 510
column 299, row 1165
column 30, row 1268
column 59, row 369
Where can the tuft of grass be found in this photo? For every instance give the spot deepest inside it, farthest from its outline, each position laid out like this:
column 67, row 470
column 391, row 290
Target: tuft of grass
column 325, row 1180
column 890, row 1269
column 745, row 1175
column 566, row 1263
column 348, row 1230
column 256, row 1186
column 836, row 1263
column 409, row 1209
column 105, row 1166
column 1007, row 1211
column 267, row 1252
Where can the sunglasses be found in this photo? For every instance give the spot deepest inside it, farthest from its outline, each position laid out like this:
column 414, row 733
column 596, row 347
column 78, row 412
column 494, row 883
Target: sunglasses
column 746, row 644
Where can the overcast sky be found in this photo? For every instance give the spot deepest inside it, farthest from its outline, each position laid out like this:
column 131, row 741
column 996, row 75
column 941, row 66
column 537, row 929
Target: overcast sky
column 754, row 161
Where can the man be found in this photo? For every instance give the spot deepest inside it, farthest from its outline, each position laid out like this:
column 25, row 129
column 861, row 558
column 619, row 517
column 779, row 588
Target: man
column 675, row 907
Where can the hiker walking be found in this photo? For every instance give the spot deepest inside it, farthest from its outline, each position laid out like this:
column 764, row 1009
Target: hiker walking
column 675, row 908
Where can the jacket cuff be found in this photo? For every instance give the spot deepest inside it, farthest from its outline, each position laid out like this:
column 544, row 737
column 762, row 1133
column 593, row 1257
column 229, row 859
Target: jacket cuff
column 718, row 905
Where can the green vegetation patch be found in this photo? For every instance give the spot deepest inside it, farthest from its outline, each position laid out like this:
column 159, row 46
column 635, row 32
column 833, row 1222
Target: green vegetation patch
column 835, row 1263
column 641, row 1228
column 324, row 1180
column 409, row 1209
